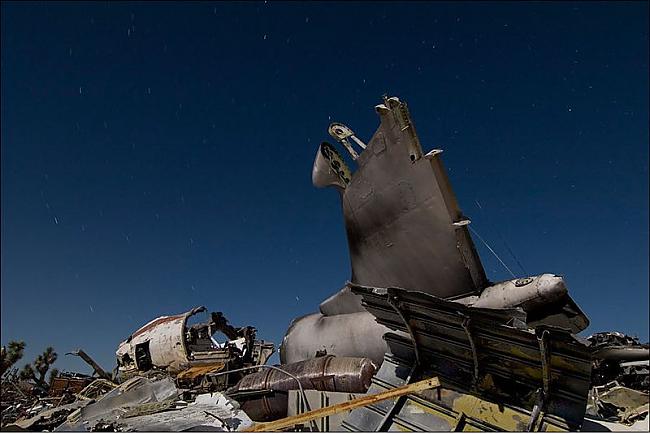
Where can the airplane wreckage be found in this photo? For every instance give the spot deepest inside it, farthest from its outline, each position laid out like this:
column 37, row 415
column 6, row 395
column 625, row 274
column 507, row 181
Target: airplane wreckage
column 418, row 340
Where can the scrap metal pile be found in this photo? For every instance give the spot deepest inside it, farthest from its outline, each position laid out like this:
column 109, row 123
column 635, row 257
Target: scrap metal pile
column 418, row 340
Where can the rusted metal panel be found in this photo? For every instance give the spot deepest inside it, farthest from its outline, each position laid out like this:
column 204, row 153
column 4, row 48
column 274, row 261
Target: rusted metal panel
column 156, row 322
column 483, row 361
column 63, row 385
column 329, row 373
column 335, row 374
column 197, row 371
column 195, row 376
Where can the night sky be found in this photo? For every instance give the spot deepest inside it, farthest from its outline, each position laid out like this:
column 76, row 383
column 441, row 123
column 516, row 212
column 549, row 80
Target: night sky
column 157, row 156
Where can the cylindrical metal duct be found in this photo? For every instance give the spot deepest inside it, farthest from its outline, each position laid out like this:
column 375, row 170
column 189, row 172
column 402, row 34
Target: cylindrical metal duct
column 328, row 373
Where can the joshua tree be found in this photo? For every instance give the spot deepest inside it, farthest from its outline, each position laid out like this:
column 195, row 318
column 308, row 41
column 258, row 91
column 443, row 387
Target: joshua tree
column 11, row 354
column 42, row 364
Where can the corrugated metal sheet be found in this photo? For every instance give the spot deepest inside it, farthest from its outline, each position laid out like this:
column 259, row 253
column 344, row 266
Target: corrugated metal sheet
column 493, row 373
column 319, row 399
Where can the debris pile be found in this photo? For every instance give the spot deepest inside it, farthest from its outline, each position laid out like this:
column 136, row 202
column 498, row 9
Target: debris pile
column 19, row 398
column 418, row 340
column 621, row 358
column 620, row 378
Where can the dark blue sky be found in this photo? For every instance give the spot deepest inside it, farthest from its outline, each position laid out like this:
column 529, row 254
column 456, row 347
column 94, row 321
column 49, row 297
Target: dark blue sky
column 157, row 156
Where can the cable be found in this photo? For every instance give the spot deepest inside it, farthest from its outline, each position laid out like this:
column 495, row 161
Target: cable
column 493, row 252
column 501, row 238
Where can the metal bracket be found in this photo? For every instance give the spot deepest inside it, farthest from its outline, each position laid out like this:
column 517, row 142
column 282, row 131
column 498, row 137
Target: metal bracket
column 341, row 133
column 394, row 302
column 466, row 326
column 535, row 420
column 537, row 416
column 546, row 361
column 461, row 223
column 431, row 154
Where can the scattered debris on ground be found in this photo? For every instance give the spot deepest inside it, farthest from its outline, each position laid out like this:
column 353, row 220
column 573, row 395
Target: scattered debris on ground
column 418, row 340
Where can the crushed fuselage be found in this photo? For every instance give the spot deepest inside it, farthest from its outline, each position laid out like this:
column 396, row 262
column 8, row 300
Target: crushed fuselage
column 170, row 344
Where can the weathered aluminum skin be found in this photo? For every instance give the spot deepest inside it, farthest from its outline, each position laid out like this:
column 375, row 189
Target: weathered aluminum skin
column 329, row 168
column 491, row 370
column 166, row 343
column 544, row 298
column 404, row 227
column 137, row 390
column 341, row 302
column 403, row 222
column 62, row 385
column 347, row 335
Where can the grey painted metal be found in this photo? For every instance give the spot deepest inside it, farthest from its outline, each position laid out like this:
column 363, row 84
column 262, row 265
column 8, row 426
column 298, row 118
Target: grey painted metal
column 544, row 298
column 329, row 168
column 136, row 391
column 348, row 335
column 400, row 211
column 511, row 362
column 403, row 227
column 342, row 302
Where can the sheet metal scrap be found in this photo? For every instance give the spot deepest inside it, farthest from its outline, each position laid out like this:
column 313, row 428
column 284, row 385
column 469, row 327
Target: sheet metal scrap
column 209, row 412
column 97, row 388
column 140, row 404
column 495, row 373
column 117, row 402
column 614, row 402
column 403, row 222
column 26, row 405
column 169, row 343
column 48, row 419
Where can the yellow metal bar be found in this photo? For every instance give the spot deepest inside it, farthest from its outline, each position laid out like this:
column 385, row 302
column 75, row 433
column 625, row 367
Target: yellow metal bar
column 276, row 425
